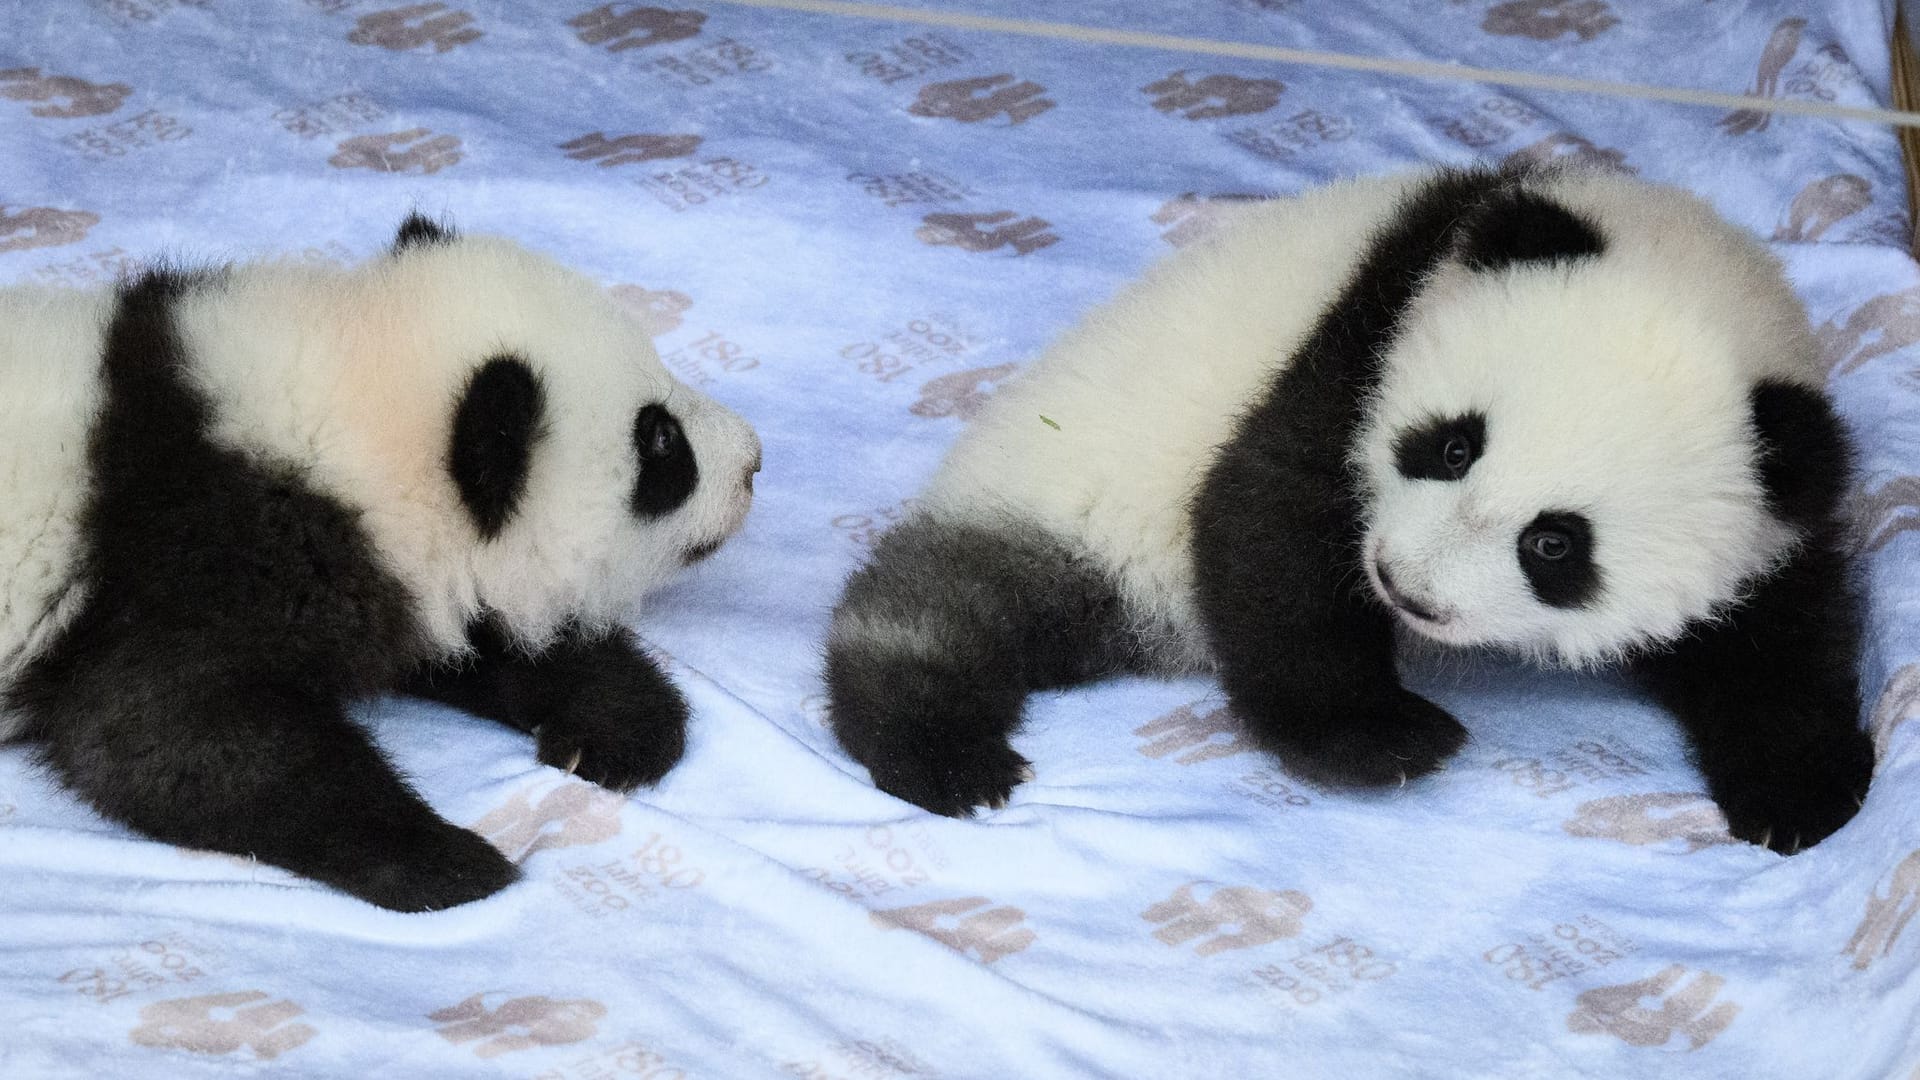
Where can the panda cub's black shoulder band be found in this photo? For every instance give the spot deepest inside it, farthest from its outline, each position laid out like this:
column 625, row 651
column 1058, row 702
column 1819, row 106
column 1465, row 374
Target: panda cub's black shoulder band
column 1517, row 226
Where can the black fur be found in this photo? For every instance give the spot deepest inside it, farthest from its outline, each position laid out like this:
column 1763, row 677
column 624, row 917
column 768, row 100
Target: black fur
column 419, row 231
column 596, row 704
column 1014, row 611
column 668, row 471
column 1421, row 453
column 1516, row 226
column 1571, row 580
column 1305, row 656
column 232, row 611
column 1768, row 691
column 495, row 429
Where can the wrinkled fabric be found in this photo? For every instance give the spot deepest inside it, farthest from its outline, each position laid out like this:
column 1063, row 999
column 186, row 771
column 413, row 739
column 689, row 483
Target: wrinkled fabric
column 853, row 231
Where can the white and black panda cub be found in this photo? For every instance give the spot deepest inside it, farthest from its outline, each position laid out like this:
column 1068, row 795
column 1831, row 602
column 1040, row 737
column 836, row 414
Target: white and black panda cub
column 1569, row 414
column 234, row 501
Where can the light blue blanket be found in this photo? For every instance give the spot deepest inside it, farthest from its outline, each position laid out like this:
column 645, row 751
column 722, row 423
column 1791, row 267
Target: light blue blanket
column 852, row 231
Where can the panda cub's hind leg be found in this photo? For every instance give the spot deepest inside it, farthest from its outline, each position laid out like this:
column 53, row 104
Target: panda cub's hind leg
column 263, row 771
column 937, row 642
column 597, row 705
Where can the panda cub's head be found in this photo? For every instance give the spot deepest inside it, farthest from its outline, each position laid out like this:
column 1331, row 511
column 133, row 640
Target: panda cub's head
column 1567, row 454
column 577, row 471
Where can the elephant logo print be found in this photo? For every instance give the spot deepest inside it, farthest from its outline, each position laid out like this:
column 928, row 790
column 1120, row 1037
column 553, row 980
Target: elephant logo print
column 43, row 226
column 659, row 311
column 1192, row 216
column 1884, row 324
column 1689, row 1010
column 629, row 149
column 960, row 393
column 1887, row 914
column 223, row 1023
column 1652, row 818
column 1568, row 148
column 519, row 1024
column 1823, row 203
column 402, row 151
column 405, row 28
column 1197, row 733
column 990, row 934
column 1214, row 96
column 1779, row 52
column 1547, row 20
column 635, row 27
column 66, row 96
column 1259, row 916
column 569, row 815
column 971, row 233
column 972, row 100
column 1899, row 703
column 1881, row 515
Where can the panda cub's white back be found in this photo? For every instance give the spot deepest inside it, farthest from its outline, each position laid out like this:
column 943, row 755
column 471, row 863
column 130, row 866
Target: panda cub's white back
column 1568, row 414
column 234, row 501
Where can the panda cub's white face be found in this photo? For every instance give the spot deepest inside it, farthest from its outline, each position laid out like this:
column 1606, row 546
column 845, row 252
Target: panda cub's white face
column 1560, row 461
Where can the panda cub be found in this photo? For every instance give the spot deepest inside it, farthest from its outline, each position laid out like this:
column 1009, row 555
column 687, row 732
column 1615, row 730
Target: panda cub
column 234, row 502
column 1566, row 414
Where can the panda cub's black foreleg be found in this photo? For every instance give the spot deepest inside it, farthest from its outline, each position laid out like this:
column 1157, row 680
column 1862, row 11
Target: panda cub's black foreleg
column 596, row 704
column 1305, row 658
column 938, row 640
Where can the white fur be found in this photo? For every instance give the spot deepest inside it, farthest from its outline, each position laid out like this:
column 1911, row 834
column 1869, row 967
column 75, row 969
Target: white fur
column 49, row 393
column 352, row 377
column 1618, row 389
column 1146, row 387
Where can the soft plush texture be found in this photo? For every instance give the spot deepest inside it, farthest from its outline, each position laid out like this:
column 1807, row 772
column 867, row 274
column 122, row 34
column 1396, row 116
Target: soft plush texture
column 1158, row 901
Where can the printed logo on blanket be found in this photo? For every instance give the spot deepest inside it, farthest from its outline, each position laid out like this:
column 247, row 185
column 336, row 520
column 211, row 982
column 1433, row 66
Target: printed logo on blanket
column 969, row 925
column 1547, row 20
column 1652, row 818
column 1888, row 913
column 1194, row 735
column 1258, row 916
column 223, row 1023
column 1213, row 96
column 43, row 226
column 1679, row 1004
column 417, row 149
column 971, row 101
column 403, row 29
column 567, row 816
column 519, row 1024
column 64, row 96
column 1884, row 324
column 624, row 26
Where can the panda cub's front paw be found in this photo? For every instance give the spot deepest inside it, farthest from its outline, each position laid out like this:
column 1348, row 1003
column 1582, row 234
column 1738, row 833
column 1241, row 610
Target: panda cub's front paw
column 954, row 775
column 1792, row 811
column 621, row 756
column 1389, row 741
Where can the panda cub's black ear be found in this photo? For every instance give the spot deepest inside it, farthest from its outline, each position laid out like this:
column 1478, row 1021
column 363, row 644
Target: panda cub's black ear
column 500, row 418
column 1515, row 225
column 1804, row 457
column 418, row 231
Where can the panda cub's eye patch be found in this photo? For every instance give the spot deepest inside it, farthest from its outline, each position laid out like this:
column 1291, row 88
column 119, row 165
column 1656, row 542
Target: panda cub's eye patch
column 1556, row 555
column 1441, row 449
column 668, row 471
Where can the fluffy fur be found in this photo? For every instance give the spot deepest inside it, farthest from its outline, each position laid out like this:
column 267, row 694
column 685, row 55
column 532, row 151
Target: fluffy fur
column 238, row 500
column 1568, row 414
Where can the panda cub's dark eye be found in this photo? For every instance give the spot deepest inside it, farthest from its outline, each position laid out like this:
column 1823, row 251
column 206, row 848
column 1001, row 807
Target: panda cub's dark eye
column 669, row 472
column 1549, row 545
column 1441, row 449
column 1557, row 558
column 657, row 434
